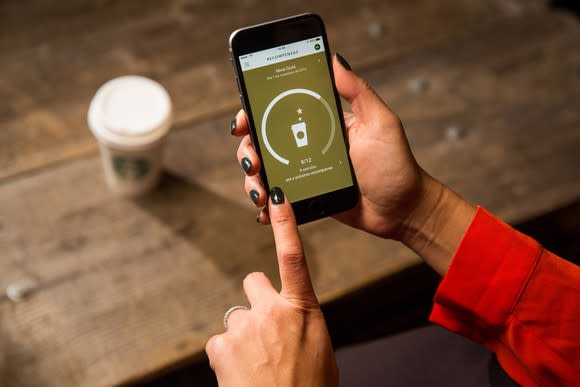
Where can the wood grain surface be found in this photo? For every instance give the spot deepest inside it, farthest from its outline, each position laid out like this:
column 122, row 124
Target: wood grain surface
column 123, row 289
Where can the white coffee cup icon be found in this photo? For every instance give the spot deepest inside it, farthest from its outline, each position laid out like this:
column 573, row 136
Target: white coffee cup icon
column 300, row 134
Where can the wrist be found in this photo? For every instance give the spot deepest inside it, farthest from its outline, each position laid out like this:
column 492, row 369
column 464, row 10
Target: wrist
column 435, row 227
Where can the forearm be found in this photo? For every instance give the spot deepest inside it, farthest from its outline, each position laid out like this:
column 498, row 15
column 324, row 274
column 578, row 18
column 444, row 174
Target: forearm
column 437, row 225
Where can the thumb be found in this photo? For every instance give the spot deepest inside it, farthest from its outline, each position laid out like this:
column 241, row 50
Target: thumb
column 365, row 103
column 296, row 284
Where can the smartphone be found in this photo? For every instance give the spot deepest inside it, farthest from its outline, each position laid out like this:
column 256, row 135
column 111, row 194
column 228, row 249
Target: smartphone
column 284, row 74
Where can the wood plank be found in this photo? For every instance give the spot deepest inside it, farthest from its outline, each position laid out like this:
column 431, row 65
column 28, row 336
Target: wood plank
column 43, row 19
column 125, row 288
column 53, row 67
column 38, row 22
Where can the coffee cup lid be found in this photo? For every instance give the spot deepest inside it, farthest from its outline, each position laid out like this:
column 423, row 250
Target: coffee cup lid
column 130, row 112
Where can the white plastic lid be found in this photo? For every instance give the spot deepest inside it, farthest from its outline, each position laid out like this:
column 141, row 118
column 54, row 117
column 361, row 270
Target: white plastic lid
column 130, row 112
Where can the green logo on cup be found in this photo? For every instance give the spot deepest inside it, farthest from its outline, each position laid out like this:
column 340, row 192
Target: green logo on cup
column 317, row 46
column 130, row 168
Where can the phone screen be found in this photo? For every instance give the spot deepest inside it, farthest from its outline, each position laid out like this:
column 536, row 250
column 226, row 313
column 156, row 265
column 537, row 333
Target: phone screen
column 296, row 118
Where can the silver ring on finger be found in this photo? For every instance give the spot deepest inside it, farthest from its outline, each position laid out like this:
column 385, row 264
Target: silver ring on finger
column 230, row 311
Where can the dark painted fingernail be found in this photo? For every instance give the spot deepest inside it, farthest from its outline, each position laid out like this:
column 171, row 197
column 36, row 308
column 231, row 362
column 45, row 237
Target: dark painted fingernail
column 254, row 195
column 277, row 195
column 246, row 164
column 233, row 125
column 343, row 62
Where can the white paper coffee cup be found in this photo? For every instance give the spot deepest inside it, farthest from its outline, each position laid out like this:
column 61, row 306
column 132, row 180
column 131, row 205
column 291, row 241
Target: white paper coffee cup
column 131, row 116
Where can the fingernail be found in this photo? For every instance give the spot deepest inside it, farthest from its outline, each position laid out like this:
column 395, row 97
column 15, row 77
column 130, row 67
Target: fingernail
column 254, row 195
column 246, row 164
column 233, row 125
column 343, row 62
column 277, row 195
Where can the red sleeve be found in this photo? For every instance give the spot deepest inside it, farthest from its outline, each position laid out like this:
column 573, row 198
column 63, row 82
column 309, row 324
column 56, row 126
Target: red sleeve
column 519, row 300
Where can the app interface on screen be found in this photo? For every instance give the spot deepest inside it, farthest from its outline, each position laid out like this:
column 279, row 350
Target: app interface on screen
column 296, row 118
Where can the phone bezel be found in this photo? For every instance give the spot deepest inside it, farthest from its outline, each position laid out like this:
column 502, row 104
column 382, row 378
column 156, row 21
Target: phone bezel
column 273, row 34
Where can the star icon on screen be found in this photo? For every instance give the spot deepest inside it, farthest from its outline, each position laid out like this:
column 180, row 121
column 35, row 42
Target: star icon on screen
column 299, row 110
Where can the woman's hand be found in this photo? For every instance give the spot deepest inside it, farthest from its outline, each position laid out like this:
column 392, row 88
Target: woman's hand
column 399, row 200
column 389, row 178
column 282, row 340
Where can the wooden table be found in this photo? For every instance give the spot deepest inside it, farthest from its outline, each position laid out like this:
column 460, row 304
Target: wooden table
column 123, row 289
